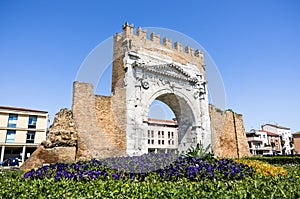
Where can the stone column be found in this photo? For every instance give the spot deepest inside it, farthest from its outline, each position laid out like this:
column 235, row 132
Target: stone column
column 2, row 153
column 23, row 153
column 134, row 120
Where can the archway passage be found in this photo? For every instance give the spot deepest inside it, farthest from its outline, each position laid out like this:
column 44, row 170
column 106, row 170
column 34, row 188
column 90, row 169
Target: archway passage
column 176, row 133
column 162, row 131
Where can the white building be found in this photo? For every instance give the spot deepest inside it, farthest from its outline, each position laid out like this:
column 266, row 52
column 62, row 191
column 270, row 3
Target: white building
column 162, row 135
column 258, row 142
column 263, row 142
column 284, row 133
column 21, row 131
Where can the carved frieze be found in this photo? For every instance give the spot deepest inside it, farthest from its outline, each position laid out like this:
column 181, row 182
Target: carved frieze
column 172, row 71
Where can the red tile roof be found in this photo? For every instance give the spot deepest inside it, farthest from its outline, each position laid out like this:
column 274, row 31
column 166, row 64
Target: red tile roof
column 21, row 109
column 296, row 133
column 162, row 121
column 277, row 126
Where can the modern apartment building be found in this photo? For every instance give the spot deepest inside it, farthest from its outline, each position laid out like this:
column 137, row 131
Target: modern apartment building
column 21, row 131
column 263, row 142
column 162, row 135
column 285, row 136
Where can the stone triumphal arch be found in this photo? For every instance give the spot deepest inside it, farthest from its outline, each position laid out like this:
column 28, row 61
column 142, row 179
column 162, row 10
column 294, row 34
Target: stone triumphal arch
column 144, row 70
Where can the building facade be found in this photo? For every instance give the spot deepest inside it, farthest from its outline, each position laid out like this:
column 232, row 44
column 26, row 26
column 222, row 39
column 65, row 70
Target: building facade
column 262, row 142
column 258, row 142
column 21, row 131
column 285, row 135
column 162, row 135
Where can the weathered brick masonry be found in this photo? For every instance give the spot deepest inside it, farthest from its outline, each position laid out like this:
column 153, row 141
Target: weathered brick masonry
column 228, row 134
column 94, row 140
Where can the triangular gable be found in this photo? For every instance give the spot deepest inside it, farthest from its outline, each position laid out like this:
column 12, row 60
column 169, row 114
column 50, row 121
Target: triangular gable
column 170, row 70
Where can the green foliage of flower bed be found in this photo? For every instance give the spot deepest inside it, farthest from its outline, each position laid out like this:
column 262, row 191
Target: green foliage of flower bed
column 280, row 160
column 255, row 187
column 151, row 176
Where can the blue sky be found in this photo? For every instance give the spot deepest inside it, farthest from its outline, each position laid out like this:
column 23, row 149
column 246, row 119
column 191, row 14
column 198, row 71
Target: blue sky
column 255, row 45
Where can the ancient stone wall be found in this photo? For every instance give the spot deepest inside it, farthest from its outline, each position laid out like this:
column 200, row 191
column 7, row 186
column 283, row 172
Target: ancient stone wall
column 94, row 138
column 63, row 131
column 106, row 121
column 242, row 143
column 228, row 134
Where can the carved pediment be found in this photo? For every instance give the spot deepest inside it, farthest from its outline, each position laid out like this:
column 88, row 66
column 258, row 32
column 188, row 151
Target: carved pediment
column 169, row 70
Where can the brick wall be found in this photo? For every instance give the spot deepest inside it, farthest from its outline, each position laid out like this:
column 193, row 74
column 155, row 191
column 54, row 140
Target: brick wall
column 228, row 134
column 108, row 124
column 296, row 138
column 92, row 140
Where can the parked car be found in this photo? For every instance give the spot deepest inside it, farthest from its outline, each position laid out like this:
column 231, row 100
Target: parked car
column 10, row 162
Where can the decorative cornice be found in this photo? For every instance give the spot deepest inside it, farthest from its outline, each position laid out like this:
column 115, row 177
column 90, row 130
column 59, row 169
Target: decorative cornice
column 156, row 69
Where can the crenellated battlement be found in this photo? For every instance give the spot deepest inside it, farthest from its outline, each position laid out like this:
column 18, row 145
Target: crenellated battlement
column 141, row 34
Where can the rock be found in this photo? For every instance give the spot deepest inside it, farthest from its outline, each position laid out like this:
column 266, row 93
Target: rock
column 44, row 155
column 63, row 131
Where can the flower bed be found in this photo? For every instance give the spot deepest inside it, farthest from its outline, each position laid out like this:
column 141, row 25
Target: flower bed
column 154, row 176
column 161, row 166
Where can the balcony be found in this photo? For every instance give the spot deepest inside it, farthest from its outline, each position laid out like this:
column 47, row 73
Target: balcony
column 264, row 148
column 254, row 139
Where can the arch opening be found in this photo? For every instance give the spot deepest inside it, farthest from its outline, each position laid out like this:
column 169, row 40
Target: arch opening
column 172, row 127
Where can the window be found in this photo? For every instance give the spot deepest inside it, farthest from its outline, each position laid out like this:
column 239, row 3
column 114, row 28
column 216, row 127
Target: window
column 30, row 137
column 150, row 137
column 32, row 121
column 12, row 120
column 10, row 136
column 162, row 142
column 171, row 138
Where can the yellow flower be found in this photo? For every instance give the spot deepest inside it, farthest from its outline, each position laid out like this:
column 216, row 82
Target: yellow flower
column 264, row 168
